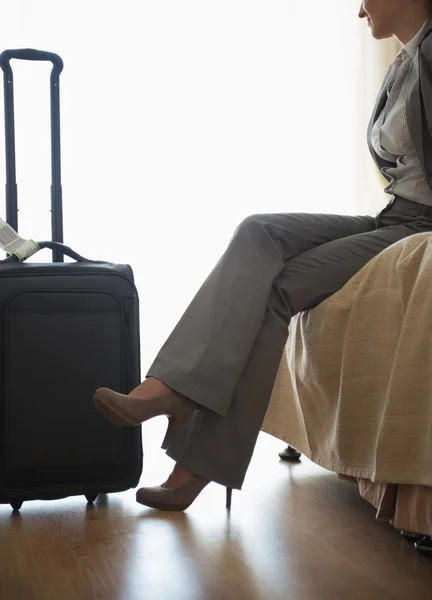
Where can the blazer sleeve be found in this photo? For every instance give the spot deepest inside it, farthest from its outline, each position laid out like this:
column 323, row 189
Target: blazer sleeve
column 425, row 85
column 425, row 73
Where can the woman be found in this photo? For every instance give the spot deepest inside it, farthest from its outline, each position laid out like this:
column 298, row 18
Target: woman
column 214, row 376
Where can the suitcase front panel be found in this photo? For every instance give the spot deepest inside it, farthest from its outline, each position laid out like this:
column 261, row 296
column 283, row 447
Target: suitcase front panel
column 59, row 346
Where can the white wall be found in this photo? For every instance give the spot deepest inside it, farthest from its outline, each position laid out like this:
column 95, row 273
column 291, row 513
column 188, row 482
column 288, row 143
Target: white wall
column 179, row 118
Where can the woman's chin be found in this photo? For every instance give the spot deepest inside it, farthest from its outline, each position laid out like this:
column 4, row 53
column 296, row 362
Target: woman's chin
column 378, row 34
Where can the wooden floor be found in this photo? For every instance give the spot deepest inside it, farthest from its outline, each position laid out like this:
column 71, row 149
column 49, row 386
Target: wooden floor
column 295, row 532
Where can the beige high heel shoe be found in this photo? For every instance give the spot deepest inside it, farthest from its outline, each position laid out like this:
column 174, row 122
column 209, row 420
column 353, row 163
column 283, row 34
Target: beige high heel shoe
column 176, row 499
column 126, row 411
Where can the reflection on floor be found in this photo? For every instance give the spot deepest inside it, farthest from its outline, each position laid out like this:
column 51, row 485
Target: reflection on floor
column 294, row 532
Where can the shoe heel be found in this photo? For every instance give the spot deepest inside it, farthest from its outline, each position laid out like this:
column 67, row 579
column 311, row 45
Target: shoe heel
column 228, row 497
column 174, row 424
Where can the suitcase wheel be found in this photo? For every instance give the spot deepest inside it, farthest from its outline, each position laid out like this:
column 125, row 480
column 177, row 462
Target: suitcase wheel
column 16, row 504
column 91, row 497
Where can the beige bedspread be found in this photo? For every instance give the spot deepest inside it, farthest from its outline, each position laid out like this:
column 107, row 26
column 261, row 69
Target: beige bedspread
column 354, row 389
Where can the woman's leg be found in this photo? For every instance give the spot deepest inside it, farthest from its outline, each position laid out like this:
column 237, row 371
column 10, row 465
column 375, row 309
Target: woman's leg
column 204, row 356
column 220, row 448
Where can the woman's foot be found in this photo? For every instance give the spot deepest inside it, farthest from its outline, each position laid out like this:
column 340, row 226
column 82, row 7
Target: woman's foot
column 177, row 493
column 150, row 388
column 151, row 398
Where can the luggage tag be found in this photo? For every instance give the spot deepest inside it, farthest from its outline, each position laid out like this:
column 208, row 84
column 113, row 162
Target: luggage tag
column 12, row 243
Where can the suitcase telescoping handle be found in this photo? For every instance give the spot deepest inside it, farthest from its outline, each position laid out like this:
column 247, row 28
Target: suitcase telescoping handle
column 32, row 54
column 11, row 184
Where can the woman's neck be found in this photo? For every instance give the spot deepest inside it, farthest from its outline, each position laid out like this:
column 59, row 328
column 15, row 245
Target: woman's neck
column 406, row 30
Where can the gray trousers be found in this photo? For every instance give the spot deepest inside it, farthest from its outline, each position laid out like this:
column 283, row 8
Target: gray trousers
column 225, row 351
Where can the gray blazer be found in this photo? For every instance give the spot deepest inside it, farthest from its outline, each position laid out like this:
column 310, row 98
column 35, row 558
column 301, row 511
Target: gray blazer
column 418, row 109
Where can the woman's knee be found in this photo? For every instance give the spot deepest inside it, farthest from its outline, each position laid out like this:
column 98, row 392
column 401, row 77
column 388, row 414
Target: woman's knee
column 251, row 224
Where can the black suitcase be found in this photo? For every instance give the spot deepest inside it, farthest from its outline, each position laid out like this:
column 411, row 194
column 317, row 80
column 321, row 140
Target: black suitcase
column 65, row 330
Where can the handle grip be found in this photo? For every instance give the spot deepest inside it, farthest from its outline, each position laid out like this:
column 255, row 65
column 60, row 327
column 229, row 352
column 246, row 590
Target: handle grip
column 64, row 250
column 30, row 54
column 55, row 246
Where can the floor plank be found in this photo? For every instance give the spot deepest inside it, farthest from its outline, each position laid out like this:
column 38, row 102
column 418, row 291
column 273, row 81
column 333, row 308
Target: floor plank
column 295, row 531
